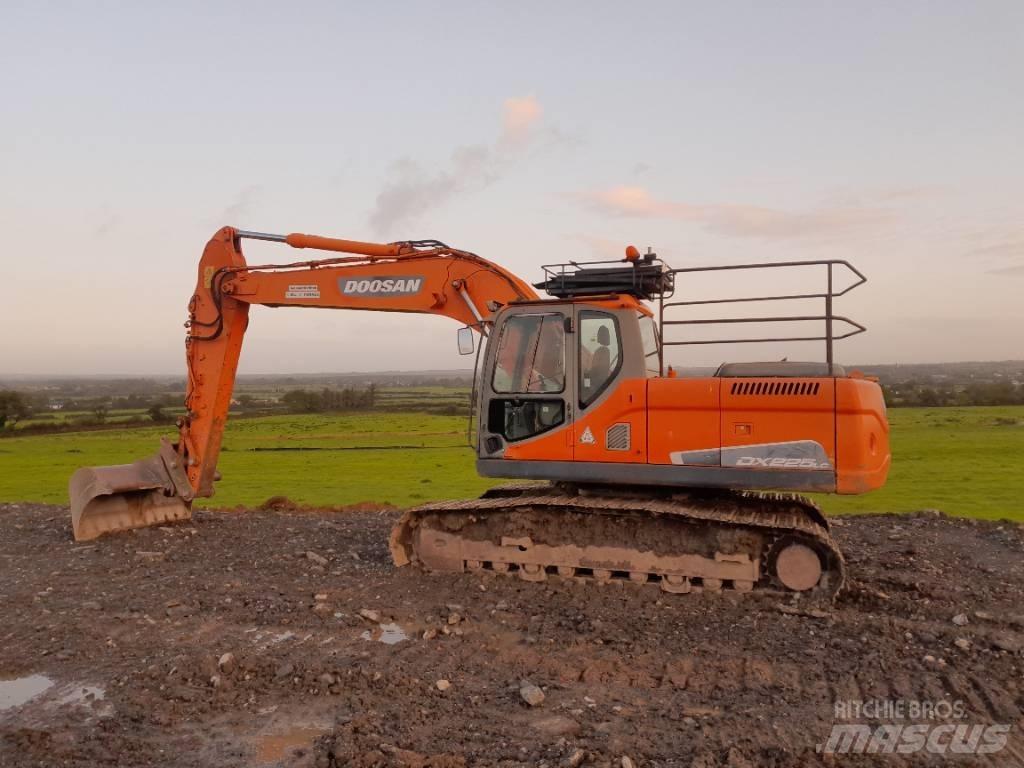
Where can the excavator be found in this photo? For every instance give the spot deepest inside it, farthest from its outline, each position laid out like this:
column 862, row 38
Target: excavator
column 624, row 470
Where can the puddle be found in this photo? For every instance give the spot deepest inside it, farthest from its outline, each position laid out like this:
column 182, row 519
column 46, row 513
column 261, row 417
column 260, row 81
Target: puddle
column 272, row 747
column 389, row 634
column 14, row 693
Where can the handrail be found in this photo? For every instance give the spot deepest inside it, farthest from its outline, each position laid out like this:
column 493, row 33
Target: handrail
column 828, row 318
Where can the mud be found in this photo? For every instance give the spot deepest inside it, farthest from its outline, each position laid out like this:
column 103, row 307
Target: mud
column 258, row 638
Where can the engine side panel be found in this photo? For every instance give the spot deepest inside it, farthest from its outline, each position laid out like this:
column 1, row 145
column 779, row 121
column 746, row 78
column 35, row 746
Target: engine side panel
column 862, row 436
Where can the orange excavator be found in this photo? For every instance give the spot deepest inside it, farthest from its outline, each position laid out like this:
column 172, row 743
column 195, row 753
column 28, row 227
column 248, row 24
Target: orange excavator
column 635, row 473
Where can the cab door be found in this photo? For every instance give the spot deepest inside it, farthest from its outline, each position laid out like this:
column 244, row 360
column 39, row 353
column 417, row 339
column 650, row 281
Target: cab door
column 611, row 387
column 527, row 388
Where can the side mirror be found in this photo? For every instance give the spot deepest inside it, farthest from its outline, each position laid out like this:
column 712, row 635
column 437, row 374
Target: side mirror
column 465, row 341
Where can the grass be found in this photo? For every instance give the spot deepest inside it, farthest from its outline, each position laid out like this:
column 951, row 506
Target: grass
column 967, row 462
column 964, row 461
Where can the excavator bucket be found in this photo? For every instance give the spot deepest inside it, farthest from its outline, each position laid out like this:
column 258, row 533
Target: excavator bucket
column 147, row 492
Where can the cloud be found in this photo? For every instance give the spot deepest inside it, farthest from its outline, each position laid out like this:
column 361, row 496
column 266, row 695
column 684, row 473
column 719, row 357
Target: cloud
column 602, row 247
column 733, row 219
column 241, row 205
column 1001, row 250
column 412, row 191
column 106, row 225
column 1013, row 269
column 520, row 115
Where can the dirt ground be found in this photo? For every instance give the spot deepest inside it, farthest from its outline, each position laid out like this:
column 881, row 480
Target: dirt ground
column 256, row 638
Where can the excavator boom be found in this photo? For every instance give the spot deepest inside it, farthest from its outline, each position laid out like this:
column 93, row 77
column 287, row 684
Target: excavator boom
column 424, row 277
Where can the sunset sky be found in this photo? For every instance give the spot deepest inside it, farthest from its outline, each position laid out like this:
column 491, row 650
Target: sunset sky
column 889, row 134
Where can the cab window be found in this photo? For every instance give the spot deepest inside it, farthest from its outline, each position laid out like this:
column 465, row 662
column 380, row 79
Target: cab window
column 531, row 355
column 600, row 354
column 649, row 339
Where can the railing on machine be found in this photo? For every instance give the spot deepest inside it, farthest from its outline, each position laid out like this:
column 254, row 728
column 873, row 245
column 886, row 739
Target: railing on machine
column 829, row 319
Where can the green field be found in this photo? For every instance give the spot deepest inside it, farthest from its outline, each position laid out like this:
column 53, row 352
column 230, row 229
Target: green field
column 964, row 461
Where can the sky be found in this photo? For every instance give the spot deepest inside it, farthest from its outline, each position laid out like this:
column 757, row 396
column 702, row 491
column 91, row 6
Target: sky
column 886, row 134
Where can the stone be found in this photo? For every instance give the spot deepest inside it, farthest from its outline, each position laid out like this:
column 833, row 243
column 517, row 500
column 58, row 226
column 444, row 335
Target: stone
column 626, row 762
column 370, row 615
column 226, row 663
column 443, row 685
column 315, row 558
column 556, row 726
column 1005, row 641
column 285, row 670
column 962, row 643
column 575, row 759
column 530, row 693
column 961, row 619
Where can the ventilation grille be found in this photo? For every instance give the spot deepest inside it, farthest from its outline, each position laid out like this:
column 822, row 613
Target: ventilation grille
column 617, row 437
column 775, row 387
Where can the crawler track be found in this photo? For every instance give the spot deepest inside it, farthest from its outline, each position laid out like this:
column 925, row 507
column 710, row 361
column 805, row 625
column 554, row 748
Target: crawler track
column 681, row 541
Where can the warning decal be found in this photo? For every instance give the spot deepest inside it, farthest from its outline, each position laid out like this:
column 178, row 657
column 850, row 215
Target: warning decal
column 311, row 291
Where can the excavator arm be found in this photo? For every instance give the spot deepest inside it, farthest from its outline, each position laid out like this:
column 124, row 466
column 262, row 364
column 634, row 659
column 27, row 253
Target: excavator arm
column 424, row 277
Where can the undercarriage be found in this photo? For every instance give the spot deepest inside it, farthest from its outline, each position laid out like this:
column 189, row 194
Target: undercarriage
column 681, row 541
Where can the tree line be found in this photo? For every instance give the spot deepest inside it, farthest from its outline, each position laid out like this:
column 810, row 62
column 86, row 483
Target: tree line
column 915, row 394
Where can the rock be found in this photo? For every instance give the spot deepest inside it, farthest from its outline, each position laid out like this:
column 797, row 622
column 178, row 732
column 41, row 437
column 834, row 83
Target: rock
column 327, row 679
column 625, row 762
column 530, row 693
column 430, row 634
column 1006, row 641
column 575, row 759
column 962, row 643
column 556, row 726
column 811, row 613
column 315, row 558
column 226, row 663
column 369, row 615
column 443, row 685
column 216, row 681
column 928, row 659
column 454, row 618
column 961, row 619
column 320, row 597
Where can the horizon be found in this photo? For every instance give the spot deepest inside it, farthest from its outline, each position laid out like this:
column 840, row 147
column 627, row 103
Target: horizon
column 439, row 371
